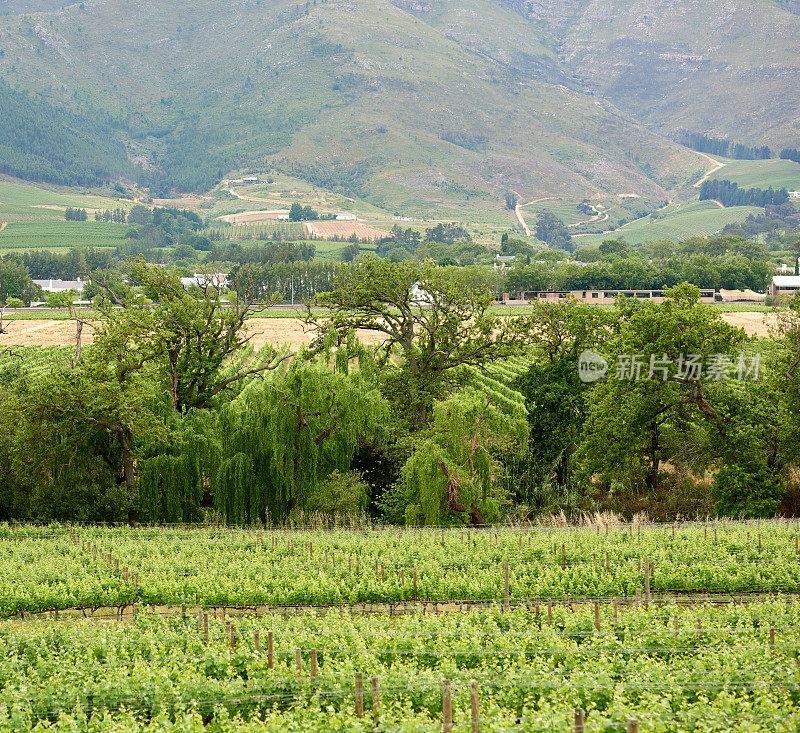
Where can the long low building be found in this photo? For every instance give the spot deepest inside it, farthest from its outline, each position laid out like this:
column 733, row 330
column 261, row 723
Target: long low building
column 601, row 297
column 60, row 286
column 784, row 286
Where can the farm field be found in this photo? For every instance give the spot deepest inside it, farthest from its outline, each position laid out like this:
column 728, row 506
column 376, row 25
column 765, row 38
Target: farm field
column 21, row 201
column 276, row 329
column 760, row 173
column 683, row 627
column 700, row 218
column 61, row 235
column 344, row 230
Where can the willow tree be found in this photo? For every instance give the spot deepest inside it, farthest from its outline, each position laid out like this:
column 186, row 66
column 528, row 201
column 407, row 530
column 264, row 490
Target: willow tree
column 174, row 477
column 282, row 437
column 437, row 322
column 451, row 475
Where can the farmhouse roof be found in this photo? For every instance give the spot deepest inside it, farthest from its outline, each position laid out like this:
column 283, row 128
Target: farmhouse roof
column 786, row 281
column 59, row 286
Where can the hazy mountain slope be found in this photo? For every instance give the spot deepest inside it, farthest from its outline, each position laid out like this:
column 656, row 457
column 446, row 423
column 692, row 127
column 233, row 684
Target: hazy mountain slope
column 44, row 143
column 721, row 66
column 415, row 106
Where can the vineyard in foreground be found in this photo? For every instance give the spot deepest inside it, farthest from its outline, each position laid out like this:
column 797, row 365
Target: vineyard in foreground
column 640, row 627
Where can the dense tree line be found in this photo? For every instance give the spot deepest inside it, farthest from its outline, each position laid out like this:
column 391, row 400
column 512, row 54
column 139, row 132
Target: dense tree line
column 162, row 420
column 118, row 215
column 730, row 272
column 77, row 262
column 252, row 252
column 727, row 262
column 71, row 214
column 791, row 154
column 725, row 148
column 728, row 193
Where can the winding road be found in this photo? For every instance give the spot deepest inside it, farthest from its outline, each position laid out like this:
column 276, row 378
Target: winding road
column 717, row 165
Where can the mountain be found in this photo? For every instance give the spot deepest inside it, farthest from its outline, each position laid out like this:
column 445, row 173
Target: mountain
column 419, row 106
column 726, row 67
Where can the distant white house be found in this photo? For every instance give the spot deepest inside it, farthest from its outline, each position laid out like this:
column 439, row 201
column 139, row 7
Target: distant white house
column 247, row 180
column 215, row 279
column 794, row 194
column 60, row 286
column 420, row 296
column 784, row 286
column 345, row 216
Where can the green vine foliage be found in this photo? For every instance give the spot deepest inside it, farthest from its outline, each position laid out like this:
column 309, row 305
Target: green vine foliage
column 451, row 475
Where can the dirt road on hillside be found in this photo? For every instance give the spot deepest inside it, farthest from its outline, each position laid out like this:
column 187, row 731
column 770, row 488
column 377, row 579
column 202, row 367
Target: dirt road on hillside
column 717, row 165
column 518, row 214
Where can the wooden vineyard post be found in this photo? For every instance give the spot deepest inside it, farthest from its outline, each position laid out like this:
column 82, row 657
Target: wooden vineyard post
column 549, row 612
column 205, row 628
column 257, row 641
column 376, row 699
column 632, row 726
column 183, row 607
column 473, row 698
column 597, row 615
column 358, row 568
column 298, row 661
column 506, row 595
column 608, row 563
column 646, row 583
column 415, row 584
column 675, row 624
column 579, row 724
column 772, row 640
column 447, row 708
column 313, row 665
column 270, row 659
column 638, row 598
column 359, row 695
column 233, row 636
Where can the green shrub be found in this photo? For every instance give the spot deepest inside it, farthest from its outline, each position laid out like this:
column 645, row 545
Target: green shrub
column 746, row 489
column 340, row 493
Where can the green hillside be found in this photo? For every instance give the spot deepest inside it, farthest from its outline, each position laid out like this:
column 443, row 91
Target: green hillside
column 415, row 114
column 676, row 223
column 761, row 173
column 427, row 109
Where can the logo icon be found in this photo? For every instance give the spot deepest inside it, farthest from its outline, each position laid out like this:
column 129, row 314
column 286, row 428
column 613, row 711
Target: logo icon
column 591, row 367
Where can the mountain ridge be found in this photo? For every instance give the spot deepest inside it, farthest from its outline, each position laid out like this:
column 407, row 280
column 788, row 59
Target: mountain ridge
column 415, row 106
